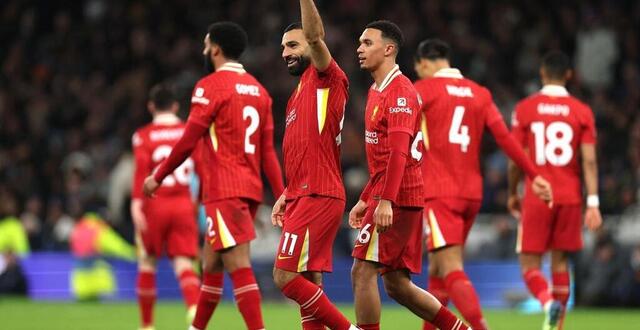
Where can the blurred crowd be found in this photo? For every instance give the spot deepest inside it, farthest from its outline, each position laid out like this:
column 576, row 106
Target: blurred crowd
column 74, row 82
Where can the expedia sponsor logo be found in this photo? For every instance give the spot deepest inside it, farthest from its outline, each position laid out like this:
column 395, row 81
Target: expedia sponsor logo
column 406, row 110
column 371, row 137
column 291, row 117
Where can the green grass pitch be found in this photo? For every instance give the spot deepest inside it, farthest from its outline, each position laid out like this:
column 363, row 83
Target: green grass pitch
column 27, row 315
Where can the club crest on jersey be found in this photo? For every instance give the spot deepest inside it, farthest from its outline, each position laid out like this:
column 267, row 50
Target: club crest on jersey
column 373, row 114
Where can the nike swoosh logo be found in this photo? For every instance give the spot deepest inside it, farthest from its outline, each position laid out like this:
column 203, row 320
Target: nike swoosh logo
column 212, row 240
column 358, row 245
column 283, row 258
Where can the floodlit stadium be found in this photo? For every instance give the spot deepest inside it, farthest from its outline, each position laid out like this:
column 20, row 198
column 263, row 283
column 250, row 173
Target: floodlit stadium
column 263, row 164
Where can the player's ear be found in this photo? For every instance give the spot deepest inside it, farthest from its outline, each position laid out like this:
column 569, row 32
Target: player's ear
column 151, row 107
column 390, row 49
column 215, row 50
column 568, row 75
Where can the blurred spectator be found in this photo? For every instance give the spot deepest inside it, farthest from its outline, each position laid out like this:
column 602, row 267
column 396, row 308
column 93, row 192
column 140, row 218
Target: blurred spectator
column 12, row 278
column 91, row 240
column 503, row 245
column 13, row 237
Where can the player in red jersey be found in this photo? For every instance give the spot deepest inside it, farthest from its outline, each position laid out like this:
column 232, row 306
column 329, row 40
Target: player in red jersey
column 560, row 135
column 231, row 115
column 310, row 210
column 389, row 212
column 166, row 222
column 457, row 110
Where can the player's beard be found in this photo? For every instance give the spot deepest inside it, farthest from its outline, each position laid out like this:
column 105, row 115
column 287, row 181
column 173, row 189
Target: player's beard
column 299, row 67
column 209, row 67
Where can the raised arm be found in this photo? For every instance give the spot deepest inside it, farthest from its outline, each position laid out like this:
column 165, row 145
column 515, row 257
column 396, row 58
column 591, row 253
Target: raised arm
column 314, row 34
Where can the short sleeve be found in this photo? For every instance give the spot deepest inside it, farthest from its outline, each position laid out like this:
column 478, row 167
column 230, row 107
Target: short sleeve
column 589, row 134
column 402, row 108
column 492, row 114
column 205, row 103
column 518, row 130
column 331, row 75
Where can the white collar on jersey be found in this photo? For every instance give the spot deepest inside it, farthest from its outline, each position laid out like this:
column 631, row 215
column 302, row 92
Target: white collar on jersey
column 166, row 119
column 388, row 79
column 449, row 73
column 554, row 90
column 231, row 66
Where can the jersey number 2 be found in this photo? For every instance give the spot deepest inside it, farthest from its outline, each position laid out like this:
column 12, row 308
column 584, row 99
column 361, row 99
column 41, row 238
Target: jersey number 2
column 458, row 133
column 254, row 121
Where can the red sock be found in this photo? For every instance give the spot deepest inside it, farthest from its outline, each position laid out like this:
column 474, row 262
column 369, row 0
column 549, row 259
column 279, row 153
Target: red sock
column 146, row 291
column 465, row 298
column 309, row 322
column 375, row 326
column 537, row 285
column 190, row 287
column 247, row 294
column 445, row 320
column 311, row 298
column 561, row 289
column 210, row 295
column 437, row 288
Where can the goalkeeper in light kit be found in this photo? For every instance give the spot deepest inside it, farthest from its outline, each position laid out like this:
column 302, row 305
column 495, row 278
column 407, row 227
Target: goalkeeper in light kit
column 231, row 116
column 560, row 135
column 389, row 212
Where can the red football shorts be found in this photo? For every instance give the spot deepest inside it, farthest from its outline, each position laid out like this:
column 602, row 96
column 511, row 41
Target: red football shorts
column 171, row 224
column 310, row 227
column 230, row 222
column 542, row 228
column 449, row 221
column 400, row 247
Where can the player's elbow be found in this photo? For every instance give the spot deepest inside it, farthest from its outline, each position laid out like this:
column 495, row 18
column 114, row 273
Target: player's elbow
column 314, row 37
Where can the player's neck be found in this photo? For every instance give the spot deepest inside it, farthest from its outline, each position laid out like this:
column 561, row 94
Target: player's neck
column 382, row 72
column 221, row 61
column 553, row 82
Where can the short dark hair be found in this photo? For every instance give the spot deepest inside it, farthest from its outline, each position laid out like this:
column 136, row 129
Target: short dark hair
column 433, row 49
column 389, row 30
column 162, row 96
column 556, row 64
column 293, row 26
column 231, row 38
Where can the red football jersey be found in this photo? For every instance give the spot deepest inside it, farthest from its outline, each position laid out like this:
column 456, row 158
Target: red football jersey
column 237, row 110
column 552, row 125
column 151, row 145
column 311, row 146
column 391, row 107
column 455, row 112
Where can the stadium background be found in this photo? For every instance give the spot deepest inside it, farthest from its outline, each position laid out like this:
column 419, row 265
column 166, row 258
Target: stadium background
column 74, row 77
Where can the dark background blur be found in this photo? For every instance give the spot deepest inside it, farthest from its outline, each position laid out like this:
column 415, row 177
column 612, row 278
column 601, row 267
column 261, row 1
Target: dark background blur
column 74, row 77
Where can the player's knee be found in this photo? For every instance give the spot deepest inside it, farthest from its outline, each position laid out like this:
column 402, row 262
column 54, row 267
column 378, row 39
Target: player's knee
column 281, row 277
column 180, row 264
column 146, row 264
column 396, row 288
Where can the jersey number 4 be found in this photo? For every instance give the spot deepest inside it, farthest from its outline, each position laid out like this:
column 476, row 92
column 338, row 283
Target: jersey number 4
column 458, row 133
column 559, row 135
